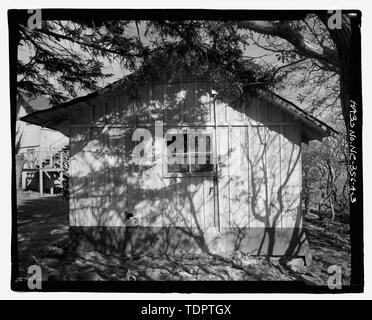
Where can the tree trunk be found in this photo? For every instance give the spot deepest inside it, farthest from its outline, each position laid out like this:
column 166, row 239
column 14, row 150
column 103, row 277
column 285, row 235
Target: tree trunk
column 342, row 40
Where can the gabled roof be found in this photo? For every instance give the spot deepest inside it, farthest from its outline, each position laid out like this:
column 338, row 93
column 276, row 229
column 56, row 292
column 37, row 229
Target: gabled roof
column 22, row 101
column 33, row 105
column 40, row 103
column 56, row 118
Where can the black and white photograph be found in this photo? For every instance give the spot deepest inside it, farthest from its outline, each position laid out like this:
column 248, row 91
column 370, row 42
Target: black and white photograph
column 186, row 150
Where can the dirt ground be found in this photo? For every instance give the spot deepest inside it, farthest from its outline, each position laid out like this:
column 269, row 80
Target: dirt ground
column 43, row 240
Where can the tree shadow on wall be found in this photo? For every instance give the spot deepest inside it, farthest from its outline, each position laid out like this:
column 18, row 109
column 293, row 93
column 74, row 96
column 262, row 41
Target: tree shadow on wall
column 107, row 184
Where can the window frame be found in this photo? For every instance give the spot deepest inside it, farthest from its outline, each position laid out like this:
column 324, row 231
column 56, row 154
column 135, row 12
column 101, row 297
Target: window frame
column 189, row 173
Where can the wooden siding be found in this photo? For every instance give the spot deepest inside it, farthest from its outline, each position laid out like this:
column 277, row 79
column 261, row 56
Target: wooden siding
column 31, row 137
column 260, row 182
column 259, row 170
column 27, row 135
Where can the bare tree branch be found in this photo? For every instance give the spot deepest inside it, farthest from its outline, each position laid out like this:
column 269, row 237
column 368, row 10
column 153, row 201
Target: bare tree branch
column 304, row 47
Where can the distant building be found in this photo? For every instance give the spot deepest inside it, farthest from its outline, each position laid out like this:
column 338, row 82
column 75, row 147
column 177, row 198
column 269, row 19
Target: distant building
column 35, row 145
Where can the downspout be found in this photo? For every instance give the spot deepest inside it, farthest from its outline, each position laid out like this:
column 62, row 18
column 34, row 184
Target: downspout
column 214, row 95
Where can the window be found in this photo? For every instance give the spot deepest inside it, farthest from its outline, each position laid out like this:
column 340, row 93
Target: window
column 203, row 160
column 190, row 152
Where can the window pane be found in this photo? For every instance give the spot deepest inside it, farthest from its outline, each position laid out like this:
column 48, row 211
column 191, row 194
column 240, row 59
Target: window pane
column 207, row 166
column 177, row 167
column 202, row 157
column 202, row 160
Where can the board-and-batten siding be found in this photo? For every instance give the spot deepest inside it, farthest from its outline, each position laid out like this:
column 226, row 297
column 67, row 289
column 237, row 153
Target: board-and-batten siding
column 27, row 135
column 264, row 190
column 259, row 178
column 36, row 142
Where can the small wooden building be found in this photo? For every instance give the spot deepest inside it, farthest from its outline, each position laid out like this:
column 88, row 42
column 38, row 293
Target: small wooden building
column 248, row 199
column 35, row 146
column 34, row 138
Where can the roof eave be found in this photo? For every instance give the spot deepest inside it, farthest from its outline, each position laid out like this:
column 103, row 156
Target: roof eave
column 313, row 128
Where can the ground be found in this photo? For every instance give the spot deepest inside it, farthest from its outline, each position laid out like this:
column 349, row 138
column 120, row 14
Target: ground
column 43, row 240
